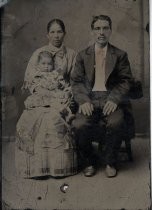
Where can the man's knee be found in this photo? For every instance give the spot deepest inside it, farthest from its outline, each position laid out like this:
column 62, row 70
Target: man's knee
column 115, row 121
column 81, row 122
column 81, row 126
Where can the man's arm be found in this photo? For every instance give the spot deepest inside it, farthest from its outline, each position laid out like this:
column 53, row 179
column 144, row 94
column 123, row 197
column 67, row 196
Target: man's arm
column 120, row 91
column 79, row 90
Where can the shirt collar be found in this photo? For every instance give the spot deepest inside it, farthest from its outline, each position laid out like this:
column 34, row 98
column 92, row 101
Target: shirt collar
column 99, row 49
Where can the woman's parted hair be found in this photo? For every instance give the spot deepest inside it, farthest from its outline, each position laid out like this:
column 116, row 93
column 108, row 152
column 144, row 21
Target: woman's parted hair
column 101, row 17
column 59, row 22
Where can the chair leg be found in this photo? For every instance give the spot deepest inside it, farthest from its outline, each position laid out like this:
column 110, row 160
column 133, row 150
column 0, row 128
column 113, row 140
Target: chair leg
column 128, row 149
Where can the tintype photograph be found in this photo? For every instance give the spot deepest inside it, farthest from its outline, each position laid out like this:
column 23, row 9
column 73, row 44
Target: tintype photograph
column 75, row 95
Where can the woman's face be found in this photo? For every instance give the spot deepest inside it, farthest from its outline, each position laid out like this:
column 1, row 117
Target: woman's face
column 56, row 35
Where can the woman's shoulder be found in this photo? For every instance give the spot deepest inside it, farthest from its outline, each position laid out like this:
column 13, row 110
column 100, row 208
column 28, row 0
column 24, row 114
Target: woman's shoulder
column 70, row 51
column 71, row 54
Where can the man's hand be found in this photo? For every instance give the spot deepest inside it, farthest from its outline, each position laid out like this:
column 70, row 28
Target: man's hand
column 109, row 107
column 86, row 109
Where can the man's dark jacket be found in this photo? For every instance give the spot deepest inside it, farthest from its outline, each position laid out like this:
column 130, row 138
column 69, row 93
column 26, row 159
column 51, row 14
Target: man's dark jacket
column 118, row 79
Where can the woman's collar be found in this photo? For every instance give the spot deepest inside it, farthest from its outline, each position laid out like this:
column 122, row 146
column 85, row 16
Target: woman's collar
column 56, row 49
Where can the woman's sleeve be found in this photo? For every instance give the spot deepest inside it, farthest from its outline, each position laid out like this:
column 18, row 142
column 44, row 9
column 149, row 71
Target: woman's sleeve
column 34, row 84
column 30, row 70
column 73, row 59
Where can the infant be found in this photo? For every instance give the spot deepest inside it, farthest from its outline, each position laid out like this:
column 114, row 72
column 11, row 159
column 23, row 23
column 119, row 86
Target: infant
column 49, row 88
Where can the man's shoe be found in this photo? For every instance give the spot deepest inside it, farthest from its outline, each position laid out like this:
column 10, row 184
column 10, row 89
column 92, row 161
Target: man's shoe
column 110, row 171
column 89, row 171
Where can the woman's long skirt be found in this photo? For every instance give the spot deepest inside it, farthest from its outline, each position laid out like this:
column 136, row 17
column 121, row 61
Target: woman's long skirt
column 44, row 145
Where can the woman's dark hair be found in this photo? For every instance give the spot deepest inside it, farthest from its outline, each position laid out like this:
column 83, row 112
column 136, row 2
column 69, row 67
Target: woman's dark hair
column 58, row 21
column 101, row 17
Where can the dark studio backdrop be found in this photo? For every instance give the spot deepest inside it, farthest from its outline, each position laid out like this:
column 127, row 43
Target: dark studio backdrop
column 24, row 30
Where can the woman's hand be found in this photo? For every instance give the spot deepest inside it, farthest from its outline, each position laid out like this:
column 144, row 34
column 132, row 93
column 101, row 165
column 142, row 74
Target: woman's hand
column 30, row 149
column 28, row 104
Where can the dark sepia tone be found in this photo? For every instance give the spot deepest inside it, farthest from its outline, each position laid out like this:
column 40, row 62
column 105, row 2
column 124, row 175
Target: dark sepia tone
column 24, row 26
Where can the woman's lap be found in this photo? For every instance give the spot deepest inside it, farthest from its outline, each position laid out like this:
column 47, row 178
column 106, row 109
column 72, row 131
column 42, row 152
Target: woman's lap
column 52, row 154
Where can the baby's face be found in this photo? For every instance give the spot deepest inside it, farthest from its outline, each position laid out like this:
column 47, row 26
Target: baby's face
column 46, row 64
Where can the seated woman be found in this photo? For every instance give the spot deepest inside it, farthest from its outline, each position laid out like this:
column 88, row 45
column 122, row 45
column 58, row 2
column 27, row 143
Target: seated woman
column 44, row 143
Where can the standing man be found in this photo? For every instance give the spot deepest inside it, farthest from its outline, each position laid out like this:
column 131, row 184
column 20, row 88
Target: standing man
column 100, row 83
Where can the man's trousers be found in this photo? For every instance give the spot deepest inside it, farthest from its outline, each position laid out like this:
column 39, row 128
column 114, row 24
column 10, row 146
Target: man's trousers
column 108, row 129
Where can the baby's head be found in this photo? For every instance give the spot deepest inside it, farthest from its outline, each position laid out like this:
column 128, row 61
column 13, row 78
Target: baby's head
column 45, row 61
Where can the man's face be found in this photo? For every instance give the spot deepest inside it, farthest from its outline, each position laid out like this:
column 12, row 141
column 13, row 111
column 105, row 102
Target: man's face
column 101, row 32
column 55, row 35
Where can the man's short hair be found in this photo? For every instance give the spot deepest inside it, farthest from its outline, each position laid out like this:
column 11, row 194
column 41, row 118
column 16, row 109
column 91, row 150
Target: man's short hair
column 101, row 17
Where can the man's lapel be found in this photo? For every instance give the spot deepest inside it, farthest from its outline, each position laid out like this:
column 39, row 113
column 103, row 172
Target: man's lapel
column 110, row 61
column 90, row 63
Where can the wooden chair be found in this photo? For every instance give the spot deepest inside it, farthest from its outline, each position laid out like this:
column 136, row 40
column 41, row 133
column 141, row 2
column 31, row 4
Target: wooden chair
column 127, row 149
column 136, row 92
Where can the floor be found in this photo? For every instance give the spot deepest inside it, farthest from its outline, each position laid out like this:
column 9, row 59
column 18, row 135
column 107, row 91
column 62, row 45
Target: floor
column 130, row 190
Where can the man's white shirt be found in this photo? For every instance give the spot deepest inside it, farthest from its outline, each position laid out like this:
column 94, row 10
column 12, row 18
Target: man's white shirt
column 100, row 58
